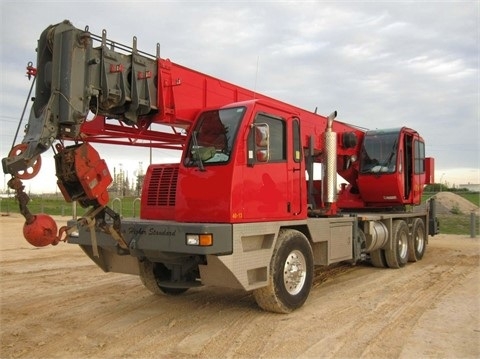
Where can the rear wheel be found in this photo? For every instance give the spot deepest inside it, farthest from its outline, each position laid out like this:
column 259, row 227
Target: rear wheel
column 153, row 273
column 417, row 241
column 377, row 258
column 396, row 253
column 291, row 274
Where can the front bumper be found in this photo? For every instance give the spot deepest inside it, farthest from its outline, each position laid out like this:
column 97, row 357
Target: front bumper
column 155, row 238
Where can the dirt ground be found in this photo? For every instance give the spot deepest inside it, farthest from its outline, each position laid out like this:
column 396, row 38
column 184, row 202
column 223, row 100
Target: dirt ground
column 55, row 303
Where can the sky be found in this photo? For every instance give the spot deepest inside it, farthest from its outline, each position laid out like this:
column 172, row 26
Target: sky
column 380, row 64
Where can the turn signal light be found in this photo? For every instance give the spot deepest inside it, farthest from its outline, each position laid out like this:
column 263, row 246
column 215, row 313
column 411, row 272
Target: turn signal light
column 203, row 240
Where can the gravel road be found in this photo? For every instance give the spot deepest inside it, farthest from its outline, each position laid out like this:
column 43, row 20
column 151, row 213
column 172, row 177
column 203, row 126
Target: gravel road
column 55, row 303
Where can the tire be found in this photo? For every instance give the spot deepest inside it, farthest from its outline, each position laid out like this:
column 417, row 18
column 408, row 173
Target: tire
column 417, row 242
column 397, row 256
column 152, row 273
column 291, row 274
column 378, row 259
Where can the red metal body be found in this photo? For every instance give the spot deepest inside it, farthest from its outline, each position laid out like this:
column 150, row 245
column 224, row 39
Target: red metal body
column 182, row 94
column 401, row 183
column 236, row 192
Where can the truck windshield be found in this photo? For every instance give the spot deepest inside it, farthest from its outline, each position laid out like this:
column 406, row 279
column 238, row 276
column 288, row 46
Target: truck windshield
column 213, row 137
column 379, row 152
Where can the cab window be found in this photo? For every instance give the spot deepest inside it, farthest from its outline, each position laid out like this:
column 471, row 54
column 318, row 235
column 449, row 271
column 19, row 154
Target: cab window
column 274, row 144
column 214, row 135
column 419, row 157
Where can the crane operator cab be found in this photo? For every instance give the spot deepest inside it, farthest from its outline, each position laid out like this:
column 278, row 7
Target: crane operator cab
column 393, row 168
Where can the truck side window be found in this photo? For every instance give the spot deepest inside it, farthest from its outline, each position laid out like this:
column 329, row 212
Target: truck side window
column 419, row 157
column 297, row 144
column 277, row 137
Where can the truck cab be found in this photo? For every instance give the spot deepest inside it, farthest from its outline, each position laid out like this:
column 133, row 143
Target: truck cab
column 243, row 162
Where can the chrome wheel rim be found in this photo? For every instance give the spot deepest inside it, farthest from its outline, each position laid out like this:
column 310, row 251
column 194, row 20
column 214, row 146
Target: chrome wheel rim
column 419, row 241
column 294, row 272
column 403, row 245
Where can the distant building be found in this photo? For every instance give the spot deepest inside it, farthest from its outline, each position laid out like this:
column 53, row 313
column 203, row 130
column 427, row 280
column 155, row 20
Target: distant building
column 474, row 187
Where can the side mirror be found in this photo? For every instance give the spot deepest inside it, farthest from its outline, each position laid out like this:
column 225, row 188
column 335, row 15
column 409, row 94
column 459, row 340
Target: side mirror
column 262, row 134
column 262, row 155
column 261, row 144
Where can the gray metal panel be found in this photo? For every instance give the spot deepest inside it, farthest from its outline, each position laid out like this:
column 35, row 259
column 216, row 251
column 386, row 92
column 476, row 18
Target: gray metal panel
column 249, row 266
column 320, row 253
column 253, row 245
column 320, row 227
column 367, row 216
column 341, row 245
column 332, row 239
column 149, row 237
column 110, row 261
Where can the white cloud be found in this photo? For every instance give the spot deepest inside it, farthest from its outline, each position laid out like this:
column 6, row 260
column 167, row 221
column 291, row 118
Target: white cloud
column 452, row 68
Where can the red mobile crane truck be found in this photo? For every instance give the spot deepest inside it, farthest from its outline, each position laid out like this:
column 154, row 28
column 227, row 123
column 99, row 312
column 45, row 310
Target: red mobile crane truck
column 242, row 209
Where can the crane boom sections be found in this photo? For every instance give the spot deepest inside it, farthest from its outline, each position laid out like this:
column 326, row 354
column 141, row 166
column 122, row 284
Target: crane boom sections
column 92, row 89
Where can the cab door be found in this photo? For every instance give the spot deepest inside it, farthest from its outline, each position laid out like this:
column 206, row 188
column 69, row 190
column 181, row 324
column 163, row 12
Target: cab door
column 414, row 167
column 418, row 169
column 297, row 187
column 266, row 187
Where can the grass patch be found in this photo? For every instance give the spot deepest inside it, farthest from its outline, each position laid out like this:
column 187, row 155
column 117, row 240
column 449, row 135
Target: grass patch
column 471, row 196
column 457, row 224
column 56, row 206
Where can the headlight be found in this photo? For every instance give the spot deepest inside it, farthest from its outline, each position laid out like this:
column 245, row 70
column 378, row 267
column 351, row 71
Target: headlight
column 203, row 240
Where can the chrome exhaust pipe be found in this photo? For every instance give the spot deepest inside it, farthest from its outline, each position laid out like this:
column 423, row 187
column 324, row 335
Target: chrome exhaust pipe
column 329, row 167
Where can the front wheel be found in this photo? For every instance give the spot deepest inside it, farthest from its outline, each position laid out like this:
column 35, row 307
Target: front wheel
column 291, row 274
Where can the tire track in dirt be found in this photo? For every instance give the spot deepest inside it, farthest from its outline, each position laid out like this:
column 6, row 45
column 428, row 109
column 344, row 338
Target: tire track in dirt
column 418, row 296
column 133, row 325
column 56, row 303
column 375, row 323
column 374, row 326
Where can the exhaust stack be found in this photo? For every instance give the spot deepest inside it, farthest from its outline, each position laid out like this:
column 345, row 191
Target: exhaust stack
column 329, row 168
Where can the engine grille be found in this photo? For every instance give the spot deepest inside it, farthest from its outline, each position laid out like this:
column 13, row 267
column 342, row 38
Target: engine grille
column 162, row 188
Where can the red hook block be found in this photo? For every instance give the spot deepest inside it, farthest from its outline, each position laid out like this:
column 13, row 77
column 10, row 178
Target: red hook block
column 31, row 71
